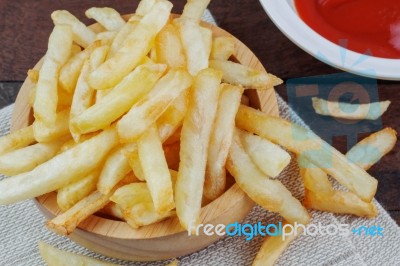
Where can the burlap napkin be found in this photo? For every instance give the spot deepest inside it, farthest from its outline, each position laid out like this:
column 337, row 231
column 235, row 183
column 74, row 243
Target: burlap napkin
column 22, row 226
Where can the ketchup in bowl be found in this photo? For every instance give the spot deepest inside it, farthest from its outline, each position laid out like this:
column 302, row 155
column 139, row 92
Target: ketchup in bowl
column 366, row 26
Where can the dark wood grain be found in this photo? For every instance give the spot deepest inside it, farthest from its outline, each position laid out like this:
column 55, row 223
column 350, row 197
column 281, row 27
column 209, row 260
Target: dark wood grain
column 25, row 27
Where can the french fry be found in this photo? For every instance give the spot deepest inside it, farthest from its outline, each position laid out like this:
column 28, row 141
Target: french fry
column 136, row 46
column 145, row 7
column 114, row 170
column 55, row 257
column 60, row 128
column 58, row 52
column 168, row 47
column 61, row 170
column 33, row 75
column 65, row 223
column 75, row 49
column 82, row 35
column 273, row 247
column 119, row 99
column 69, row 195
column 194, row 9
column 368, row 111
column 270, row 194
column 222, row 47
column 131, row 194
column 221, row 139
column 112, row 209
column 305, row 143
column 69, row 73
column 269, row 158
column 195, row 135
column 17, row 139
column 193, row 44
column 26, row 159
column 207, row 39
column 155, row 170
column 132, row 155
column 32, row 95
column 143, row 214
column 107, row 17
column 84, row 94
column 150, row 108
column 64, row 100
column 249, row 78
column 106, row 37
column 123, row 33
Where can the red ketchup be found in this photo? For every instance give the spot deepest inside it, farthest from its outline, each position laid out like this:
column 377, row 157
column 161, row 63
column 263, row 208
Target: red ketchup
column 365, row 26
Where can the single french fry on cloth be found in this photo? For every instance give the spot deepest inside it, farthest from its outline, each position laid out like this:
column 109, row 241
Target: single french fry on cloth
column 107, row 17
column 368, row 111
column 274, row 246
column 84, row 95
column 56, row 257
column 269, row 157
column 222, row 48
column 119, row 100
column 193, row 44
column 221, row 139
column 195, row 136
column 168, row 47
column 59, row 171
column 151, row 106
column 27, row 158
column 312, row 148
column 235, row 73
column 17, row 139
column 46, row 95
column 70, row 72
column 69, row 195
column 136, row 46
column 82, row 35
column 270, row 194
column 155, row 170
column 60, row 128
column 194, row 9
column 115, row 168
column 320, row 194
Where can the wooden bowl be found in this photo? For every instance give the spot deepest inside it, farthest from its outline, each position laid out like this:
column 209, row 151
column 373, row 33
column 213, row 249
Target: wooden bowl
column 165, row 239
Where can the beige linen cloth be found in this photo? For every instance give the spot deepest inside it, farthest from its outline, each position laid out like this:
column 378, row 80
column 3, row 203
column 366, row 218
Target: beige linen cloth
column 22, row 226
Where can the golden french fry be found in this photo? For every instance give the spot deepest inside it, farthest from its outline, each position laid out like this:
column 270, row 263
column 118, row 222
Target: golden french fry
column 195, row 135
column 194, row 9
column 58, row 52
column 60, row 170
column 235, row 73
column 143, row 214
column 150, row 107
column 220, row 140
column 368, row 111
column 269, row 158
column 131, row 194
column 64, row 100
column 305, row 143
column 69, row 195
column 193, row 44
column 172, row 118
column 60, row 128
column 112, row 209
column 26, row 159
column 106, row 37
column 33, row 75
column 168, row 47
column 155, row 170
column 82, row 35
column 123, row 33
column 131, row 153
column 70, row 72
column 84, row 94
column 273, row 247
column 17, row 139
column 207, row 39
column 32, row 95
column 144, row 7
column 119, row 99
column 136, row 46
column 55, row 257
column 222, row 47
column 269, row 193
column 107, row 17
column 173, row 263
column 75, row 49
column 115, row 168
column 65, row 223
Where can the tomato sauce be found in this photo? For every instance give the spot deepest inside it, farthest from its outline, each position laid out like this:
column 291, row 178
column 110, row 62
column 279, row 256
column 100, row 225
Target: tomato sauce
column 365, row 26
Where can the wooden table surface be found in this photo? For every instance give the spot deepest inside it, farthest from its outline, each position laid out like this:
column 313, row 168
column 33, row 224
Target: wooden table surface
column 25, row 27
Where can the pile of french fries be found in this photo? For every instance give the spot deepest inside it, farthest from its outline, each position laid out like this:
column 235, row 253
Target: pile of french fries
column 144, row 120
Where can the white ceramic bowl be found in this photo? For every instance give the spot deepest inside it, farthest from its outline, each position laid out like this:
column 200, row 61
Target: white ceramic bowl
column 284, row 14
